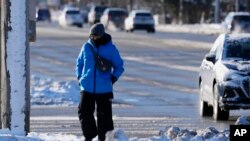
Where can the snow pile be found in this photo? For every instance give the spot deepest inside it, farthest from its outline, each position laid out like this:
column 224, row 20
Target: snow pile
column 50, row 92
column 171, row 133
column 210, row 29
column 177, row 134
column 242, row 121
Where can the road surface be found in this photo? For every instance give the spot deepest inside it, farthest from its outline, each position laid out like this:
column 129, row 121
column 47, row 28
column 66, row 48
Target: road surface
column 159, row 87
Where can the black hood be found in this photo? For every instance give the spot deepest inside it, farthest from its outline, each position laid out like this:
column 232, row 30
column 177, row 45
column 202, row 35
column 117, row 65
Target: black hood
column 106, row 38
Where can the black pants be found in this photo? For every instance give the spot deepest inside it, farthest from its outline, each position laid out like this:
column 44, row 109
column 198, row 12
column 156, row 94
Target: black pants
column 86, row 110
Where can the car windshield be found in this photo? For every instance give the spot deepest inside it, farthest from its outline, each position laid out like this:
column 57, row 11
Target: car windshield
column 238, row 50
column 100, row 9
column 117, row 13
column 72, row 12
column 43, row 12
column 242, row 18
column 143, row 14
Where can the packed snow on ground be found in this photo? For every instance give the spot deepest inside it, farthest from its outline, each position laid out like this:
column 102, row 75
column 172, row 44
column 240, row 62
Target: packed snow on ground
column 51, row 92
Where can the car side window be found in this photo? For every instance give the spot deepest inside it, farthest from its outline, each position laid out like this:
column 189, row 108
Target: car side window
column 105, row 12
column 228, row 19
column 218, row 51
column 217, row 47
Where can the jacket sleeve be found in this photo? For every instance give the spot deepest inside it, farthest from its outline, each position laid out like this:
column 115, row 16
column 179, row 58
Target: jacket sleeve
column 80, row 63
column 118, row 68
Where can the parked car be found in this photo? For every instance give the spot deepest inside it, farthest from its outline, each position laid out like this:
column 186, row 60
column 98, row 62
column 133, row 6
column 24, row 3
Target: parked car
column 43, row 14
column 95, row 14
column 115, row 16
column 224, row 77
column 70, row 17
column 84, row 13
column 140, row 20
column 237, row 22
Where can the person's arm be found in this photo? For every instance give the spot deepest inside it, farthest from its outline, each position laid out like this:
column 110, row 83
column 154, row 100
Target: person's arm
column 117, row 66
column 79, row 64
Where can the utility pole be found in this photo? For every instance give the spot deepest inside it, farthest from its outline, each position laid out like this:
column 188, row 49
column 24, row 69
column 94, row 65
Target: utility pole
column 15, row 108
column 181, row 12
column 217, row 11
column 164, row 11
column 236, row 5
column 129, row 5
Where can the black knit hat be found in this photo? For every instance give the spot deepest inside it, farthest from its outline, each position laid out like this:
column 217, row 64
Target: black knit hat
column 97, row 29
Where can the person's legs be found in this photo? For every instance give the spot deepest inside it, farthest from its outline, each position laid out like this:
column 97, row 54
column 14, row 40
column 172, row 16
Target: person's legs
column 104, row 115
column 86, row 110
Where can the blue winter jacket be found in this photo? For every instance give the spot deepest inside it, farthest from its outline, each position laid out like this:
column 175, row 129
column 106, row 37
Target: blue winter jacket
column 90, row 78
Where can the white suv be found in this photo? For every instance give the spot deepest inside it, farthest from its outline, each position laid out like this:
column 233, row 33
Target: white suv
column 70, row 17
column 141, row 20
column 237, row 22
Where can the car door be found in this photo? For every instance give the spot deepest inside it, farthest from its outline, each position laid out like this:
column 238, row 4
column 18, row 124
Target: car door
column 208, row 66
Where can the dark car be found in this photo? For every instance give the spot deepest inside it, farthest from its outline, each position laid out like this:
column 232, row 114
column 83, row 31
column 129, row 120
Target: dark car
column 224, row 78
column 115, row 17
column 237, row 22
column 43, row 15
column 95, row 14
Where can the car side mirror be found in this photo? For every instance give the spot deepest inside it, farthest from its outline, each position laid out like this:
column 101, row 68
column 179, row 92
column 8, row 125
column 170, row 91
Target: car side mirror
column 210, row 57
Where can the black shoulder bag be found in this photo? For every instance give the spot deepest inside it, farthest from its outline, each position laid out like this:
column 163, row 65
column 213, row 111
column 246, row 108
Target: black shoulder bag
column 101, row 63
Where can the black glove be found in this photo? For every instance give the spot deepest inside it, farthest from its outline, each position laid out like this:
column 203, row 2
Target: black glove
column 78, row 78
column 113, row 79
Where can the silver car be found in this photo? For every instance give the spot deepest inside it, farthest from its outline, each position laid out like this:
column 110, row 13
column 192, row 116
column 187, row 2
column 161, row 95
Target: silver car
column 224, row 77
column 71, row 17
column 114, row 17
column 237, row 22
column 140, row 20
column 95, row 13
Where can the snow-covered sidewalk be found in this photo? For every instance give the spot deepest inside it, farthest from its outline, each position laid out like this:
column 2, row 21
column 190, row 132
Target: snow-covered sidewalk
column 168, row 134
column 210, row 29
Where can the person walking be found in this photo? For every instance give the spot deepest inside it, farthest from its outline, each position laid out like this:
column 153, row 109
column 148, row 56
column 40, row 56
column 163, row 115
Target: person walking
column 96, row 85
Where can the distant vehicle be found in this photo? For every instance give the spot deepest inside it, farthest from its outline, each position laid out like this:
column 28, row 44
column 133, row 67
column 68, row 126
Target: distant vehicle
column 70, row 17
column 237, row 22
column 43, row 14
column 95, row 14
column 84, row 13
column 224, row 77
column 115, row 16
column 140, row 20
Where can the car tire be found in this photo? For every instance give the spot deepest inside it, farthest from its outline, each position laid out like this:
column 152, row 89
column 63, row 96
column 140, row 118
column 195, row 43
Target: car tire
column 218, row 113
column 205, row 110
column 79, row 26
column 151, row 30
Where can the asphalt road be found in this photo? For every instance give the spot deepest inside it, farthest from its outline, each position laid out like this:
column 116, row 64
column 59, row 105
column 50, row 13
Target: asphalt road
column 158, row 89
